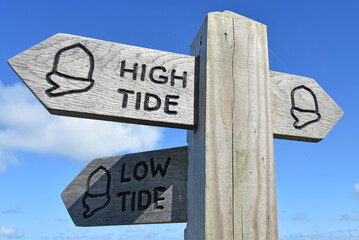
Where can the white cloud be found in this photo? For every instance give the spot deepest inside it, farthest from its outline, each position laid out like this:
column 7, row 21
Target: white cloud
column 26, row 125
column 309, row 234
column 10, row 232
column 334, row 234
column 350, row 218
column 356, row 191
column 136, row 228
column 300, row 217
column 62, row 219
column 13, row 210
column 6, row 158
column 75, row 235
column 353, row 232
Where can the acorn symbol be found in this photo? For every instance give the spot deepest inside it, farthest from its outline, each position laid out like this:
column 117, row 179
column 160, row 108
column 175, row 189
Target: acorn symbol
column 97, row 194
column 303, row 110
column 71, row 72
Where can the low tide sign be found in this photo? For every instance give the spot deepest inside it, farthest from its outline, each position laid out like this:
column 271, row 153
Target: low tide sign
column 89, row 78
column 139, row 188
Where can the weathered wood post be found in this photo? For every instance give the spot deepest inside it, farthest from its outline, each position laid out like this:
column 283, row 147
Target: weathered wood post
column 231, row 181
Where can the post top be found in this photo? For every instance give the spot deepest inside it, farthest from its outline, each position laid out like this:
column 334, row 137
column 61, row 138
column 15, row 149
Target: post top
column 235, row 15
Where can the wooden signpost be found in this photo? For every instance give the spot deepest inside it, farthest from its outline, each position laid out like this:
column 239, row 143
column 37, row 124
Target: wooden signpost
column 227, row 97
column 147, row 187
column 83, row 77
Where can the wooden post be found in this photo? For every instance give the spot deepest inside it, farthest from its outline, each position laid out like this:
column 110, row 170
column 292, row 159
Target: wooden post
column 231, row 177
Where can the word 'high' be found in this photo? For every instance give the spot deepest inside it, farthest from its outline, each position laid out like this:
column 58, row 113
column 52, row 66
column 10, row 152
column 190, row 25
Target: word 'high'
column 157, row 74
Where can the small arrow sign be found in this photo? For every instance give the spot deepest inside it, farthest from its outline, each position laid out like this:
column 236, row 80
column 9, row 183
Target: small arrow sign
column 147, row 187
column 301, row 110
column 84, row 77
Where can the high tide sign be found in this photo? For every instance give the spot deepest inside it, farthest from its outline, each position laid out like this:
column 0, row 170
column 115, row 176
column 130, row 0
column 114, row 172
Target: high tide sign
column 89, row 78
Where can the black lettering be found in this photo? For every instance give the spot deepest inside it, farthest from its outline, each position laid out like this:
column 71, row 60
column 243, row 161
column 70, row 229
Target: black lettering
column 123, row 195
column 140, row 205
column 123, row 178
column 169, row 102
column 146, row 106
column 125, row 96
column 184, row 78
column 133, row 200
column 133, row 71
column 138, row 101
column 164, row 78
column 158, row 168
column 144, row 173
column 156, row 198
column 143, row 72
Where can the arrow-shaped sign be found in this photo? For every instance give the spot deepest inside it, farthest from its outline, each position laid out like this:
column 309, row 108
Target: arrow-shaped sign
column 147, row 187
column 84, row 77
column 301, row 110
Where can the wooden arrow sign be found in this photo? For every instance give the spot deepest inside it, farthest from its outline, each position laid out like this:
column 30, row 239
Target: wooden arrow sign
column 147, row 187
column 84, row 77
column 301, row 110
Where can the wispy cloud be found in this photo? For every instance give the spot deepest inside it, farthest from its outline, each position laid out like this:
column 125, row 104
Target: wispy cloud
column 136, row 228
column 62, row 220
column 80, row 235
column 10, row 233
column 356, row 191
column 300, row 217
column 333, row 234
column 13, row 210
column 26, row 125
column 172, row 231
column 6, row 158
column 350, row 217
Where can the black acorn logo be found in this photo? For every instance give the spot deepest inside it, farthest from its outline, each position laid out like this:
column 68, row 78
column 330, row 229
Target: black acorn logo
column 71, row 72
column 303, row 116
column 97, row 194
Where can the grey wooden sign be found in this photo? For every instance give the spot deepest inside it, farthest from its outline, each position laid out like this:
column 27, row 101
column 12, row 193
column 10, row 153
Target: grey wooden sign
column 147, row 187
column 301, row 109
column 84, row 77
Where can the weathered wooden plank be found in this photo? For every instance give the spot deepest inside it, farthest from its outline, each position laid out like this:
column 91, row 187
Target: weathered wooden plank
column 254, row 203
column 231, row 186
column 301, row 109
column 84, row 77
column 140, row 188
column 196, row 191
column 210, row 204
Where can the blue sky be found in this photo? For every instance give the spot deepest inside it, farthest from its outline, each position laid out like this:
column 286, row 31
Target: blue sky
column 317, row 183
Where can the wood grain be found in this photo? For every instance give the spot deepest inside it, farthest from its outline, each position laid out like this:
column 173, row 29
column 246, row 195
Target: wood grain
column 196, row 186
column 92, row 78
column 254, row 203
column 113, row 84
column 231, row 183
column 210, row 204
column 96, row 196
column 304, row 97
